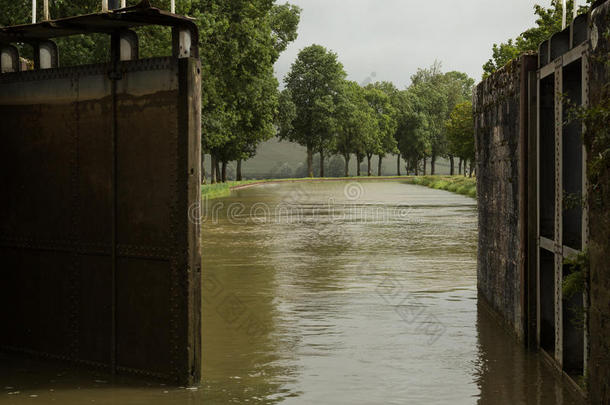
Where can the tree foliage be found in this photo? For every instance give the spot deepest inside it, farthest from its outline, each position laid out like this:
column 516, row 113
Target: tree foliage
column 354, row 122
column 240, row 42
column 460, row 131
column 314, row 83
column 548, row 22
column 423, row 110
column 381, row 139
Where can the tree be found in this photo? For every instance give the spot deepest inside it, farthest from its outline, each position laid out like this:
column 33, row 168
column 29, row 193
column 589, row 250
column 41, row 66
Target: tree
column 284, row 20
column 432, row 96
column 429, row 86
column 354, row 121
column 548, row 23
column 391, row 146
column 459, row 90
column 382, row 139
column 240, row 42
column 285, row 115
column 323, row 124
column 460, row 132
column 412, row 129
column 314, row 82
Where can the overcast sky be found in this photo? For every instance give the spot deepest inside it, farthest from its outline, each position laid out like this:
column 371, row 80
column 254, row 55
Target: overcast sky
column 390, row 39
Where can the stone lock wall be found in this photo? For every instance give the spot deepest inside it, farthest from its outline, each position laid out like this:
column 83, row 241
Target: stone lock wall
column 500, row 108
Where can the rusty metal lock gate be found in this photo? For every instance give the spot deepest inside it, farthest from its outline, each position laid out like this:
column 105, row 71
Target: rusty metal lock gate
column 100, row 164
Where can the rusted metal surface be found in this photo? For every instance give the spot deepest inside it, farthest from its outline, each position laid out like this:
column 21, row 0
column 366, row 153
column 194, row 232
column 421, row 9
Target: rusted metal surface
column 527, row 66
column 101, row 164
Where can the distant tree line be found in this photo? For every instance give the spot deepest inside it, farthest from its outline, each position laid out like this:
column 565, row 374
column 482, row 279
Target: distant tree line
column 329, row 115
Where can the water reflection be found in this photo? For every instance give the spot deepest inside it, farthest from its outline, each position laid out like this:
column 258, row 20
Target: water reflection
column 333, row 293
column 509, row 374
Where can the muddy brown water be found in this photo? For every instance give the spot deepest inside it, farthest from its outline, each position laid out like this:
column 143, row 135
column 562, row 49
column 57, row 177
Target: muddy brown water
column 330, row 293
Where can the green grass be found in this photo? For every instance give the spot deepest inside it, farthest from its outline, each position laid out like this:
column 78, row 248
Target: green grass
column 218, row 190
column 457, row 184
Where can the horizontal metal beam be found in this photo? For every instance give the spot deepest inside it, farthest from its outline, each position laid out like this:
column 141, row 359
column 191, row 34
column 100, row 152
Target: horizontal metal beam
column 547, row 70
column 547, row 244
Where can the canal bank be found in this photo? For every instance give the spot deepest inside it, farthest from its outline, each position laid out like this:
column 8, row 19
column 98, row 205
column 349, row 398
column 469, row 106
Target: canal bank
column 456, row 184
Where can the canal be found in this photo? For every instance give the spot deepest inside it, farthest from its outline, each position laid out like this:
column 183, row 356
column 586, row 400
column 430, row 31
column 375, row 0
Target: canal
column 333, row 293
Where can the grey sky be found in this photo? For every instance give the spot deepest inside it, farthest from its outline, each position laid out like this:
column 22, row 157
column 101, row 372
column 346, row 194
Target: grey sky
column 392, row 38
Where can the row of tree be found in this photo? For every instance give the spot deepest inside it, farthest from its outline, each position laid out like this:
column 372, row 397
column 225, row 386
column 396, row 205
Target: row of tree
column 327, row 114
column 243, row 40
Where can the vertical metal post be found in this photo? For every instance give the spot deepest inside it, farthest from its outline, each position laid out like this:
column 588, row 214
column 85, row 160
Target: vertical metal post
column 532, row 213
column 46, row 10
column 585, row 208
column 33, row 11
column 113, row 333
column 173, row 7
column 181, row 43
column 538, row 285
column 558, row 211
column 115, row 55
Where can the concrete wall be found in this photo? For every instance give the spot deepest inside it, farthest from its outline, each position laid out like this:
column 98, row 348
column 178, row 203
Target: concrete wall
column 501, row 109
column 597, row 140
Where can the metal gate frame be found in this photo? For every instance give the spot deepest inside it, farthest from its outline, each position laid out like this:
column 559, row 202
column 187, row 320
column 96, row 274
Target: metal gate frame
column 564, row 48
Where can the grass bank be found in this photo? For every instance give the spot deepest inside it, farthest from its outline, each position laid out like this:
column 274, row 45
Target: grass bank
column 456, row 184
column 218, row 190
